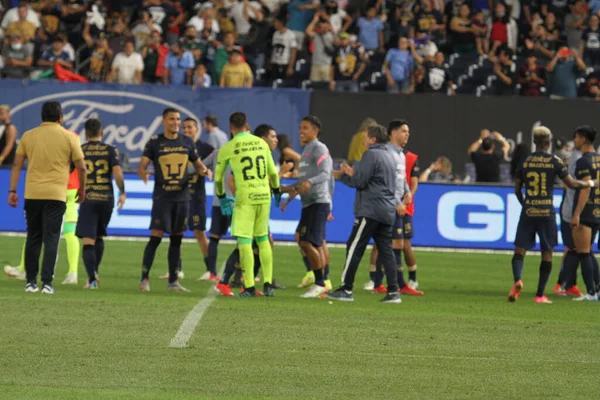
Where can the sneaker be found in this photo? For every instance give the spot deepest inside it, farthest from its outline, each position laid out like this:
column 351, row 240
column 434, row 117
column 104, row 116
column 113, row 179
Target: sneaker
column 559, row 290
column 47, row 289
column 31, row 288
column 328, row 285
column 586, row 297
column 245, row 294
column 340, row 295
column 71, row 279
column 269, row 290
column 410, row 291
column 92, row 285
column 514, row 293
column 392, row 298
column 308, row 280
column 278, row 286
column 223, row 289
column 379, row 290
column 176, row 287
column 144, row 285
column 314, row 292
column 574, row 291
column 369, row 286
column 180, row 275
column 208, row 276
column 413, row 284
column 541, row 300
column 14, row 272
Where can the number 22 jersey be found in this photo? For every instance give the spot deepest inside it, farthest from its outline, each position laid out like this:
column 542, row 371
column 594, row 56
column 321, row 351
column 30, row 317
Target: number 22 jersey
column 100, row 159
column 538, row 172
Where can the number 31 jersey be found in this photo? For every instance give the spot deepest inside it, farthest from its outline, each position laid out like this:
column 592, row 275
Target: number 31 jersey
column 100, row 159
column 538, row 172
column 170, row 159
column 251, row 163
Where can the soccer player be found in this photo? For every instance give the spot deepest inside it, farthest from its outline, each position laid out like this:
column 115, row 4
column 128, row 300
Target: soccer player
column 255, row 177
column 169, row 153
column 102, row 161
column 537, row 174
column 313, row 185
column 412, row 177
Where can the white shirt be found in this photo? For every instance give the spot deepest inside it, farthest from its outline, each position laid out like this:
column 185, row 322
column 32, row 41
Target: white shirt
column 237, row 14
column 128, row 66
column 198, row 23
column 12, row 15
column 68, row 48
column 337, row 21
column 283, row 43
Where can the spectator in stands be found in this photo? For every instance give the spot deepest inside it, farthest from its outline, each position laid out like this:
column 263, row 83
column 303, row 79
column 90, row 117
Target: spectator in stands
column 518, row 157
column 300, row 14
column 242, row 12
column 56, row 55
column 321, row 32
column 201, row 78
column 12, row 15
column 236, row 73
column 502, row 28
column 552, row 27
column 399, row 65
column 558, row 7
column 338, row 18
column 50, row 12
column 463, row 32
column 436, row 78
column 532, row 76
column 575, row 24
column 191, row 42
column 402, row 22
column 485, row 157
column 425, row 48
column 223, row 54
column 23, row 27
column 72, row 12
column 127, row 66
column 347, row 66
column 285, row 48
column 429, row 20
column 594, row 6
column 357, row 144
column 565, row 67
column 370, row 33
column 154, row 54
column 8, row 138
column 17, row 57
column 480, row 30
column 590, row 42
column 225, row 23
column 143, row 29
column 505, row 70
column 590, row 89
column 99, row 60
column 161, row 12
column 440, row 171
column 541, row 43
column 256, row 46
column 179, row 66
column 205, row 19
column 118, row 34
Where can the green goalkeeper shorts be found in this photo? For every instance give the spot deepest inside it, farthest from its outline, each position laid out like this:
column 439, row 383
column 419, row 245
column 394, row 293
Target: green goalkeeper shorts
column 250, row 220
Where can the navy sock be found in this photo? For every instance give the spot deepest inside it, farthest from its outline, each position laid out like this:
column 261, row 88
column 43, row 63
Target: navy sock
column 232, row 260
column 570, row 269
column 587, row 270
column 517, row 267
column 545, row 269
column 89, row 260
column 561, row 275
column 306, row 263
column 412, row 275
column 99, row 252
column 174, row 256
column 149, row 253
column 596, row 272
column 373, row 275
column 379, row 274
column 398, row 257
column 213, row 245
column 207, row 263
column 319, row 277
column 326, row 272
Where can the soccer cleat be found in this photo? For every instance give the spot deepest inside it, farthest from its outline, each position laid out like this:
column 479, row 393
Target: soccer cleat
column 278, row 286
column 369, row 285
column 573, row 291
column 14, row 272
column 309, row 279
column 223, row 289
column 586, row 297
column 71, row 279
column 209, row 276
column 559, row 290
column 514, row 293
column 410, row 291
column 245, row 294
column 340, row 295
column 257, row 292
column 144, row 285
column 392, row 298
column 379, row 290
column 541, row 300
column 31, row 288
column 328, row 285
column 413, row 284
column 91, row 286
column 314, row 292
column 47, row 289
column 180, row 275
column 176, row 287
column 269, row 290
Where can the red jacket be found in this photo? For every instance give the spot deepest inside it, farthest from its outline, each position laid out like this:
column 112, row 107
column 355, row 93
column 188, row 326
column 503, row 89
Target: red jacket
column 412, row 170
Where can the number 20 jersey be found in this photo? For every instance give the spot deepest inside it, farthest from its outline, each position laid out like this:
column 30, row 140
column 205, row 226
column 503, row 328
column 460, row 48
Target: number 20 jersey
column 100, row 159
column 170, row 158
column 538, row 172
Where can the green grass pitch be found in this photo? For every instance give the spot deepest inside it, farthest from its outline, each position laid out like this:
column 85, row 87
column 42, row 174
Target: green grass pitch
column 462, row 340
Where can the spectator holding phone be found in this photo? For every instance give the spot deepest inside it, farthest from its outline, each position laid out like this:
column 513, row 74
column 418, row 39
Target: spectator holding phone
column 485, row 156
column 565, row 67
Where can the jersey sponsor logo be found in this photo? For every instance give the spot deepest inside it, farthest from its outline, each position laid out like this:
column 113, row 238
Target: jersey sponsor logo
column 259, row 196
column 129, row 119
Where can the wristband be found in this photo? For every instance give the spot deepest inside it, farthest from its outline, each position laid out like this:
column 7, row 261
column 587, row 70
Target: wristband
column 591, row 183
column 12, row 191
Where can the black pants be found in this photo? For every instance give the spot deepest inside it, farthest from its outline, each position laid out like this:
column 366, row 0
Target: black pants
column 44, row 220
column 364, row 229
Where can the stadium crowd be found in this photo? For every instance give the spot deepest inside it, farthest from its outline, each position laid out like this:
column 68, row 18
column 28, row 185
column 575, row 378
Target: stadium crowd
column 531, row 48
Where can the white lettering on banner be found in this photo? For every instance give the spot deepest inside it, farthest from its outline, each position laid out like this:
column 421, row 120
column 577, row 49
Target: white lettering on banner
column 492, row 220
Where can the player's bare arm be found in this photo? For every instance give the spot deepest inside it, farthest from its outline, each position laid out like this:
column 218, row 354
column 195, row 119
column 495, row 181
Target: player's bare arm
column 120, row 180
column 15, row 174
column 575, row 184
column 141, row 172
column 201, row 168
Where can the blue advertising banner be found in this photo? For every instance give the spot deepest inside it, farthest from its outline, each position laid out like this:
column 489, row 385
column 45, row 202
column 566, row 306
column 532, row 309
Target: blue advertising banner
column 131, row 114
column 457, row 216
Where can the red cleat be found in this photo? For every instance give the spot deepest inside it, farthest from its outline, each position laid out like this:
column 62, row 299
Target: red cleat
column 379, row 290
column 542, row 300
column 514, row 293
column 258, row 292
column 214, row 277
column 224, row 289
column 558, row 290
column 573, row 291
column 410, row 291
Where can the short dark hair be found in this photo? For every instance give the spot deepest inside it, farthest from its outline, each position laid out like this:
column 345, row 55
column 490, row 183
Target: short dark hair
column 379, row 133
column 587, row 131
column 51, row 111
column 313, row 120
column 212, row 119
column 395, row 124
column 192, row 120
column 168, row 111
column 263, row 130
column 507, row 52
column 487, row 144
column 93, row 128
column 238, row 120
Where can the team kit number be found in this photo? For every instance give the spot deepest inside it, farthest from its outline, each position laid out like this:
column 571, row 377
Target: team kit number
column 99, row 169
column 538, row 184
column 254, row 168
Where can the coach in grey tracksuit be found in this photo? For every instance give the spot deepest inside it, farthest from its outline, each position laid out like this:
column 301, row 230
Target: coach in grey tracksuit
column 375, row 208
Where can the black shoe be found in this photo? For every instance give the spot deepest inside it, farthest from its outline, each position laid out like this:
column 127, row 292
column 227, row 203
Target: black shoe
column 278, row 286
column 393, row 298
column 269, row 290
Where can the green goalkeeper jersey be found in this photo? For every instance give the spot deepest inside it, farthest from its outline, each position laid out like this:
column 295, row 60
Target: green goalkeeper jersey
column 251, row 163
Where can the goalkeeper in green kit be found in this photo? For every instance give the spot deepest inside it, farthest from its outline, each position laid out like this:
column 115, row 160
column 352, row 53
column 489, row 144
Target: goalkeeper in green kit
column 251, row 163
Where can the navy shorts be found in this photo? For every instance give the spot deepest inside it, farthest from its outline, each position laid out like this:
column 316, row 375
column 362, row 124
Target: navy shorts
column 169, row 216
column 197, row 215
column 313, row 223
column 408, row 232
column 545, row 227
column 219, row 224
column 398, row 229
column 94, row 217
column 567, row 234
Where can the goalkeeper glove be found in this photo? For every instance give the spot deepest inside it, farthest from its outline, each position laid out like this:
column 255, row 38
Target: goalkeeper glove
column 226, row 204
column 277, row 195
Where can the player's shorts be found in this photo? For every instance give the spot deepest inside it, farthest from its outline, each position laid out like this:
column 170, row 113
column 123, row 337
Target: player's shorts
column 197, row 216
column 169, row 216
column 250, row 220
column 313, row 222
column 567, row 234
column 408, row 232
column 219, row 224
column 398, row 228
column 71, row 213
column 594, row 227
column 94, row 219
column 545, row 227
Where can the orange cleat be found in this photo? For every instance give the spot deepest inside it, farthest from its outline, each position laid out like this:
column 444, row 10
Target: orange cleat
column 379, row 290
column 410, row 291
column 258, row 292
column 515, row 291
column 541, row 300
column 224, row 289
column 558, row 290
column 573, row 291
